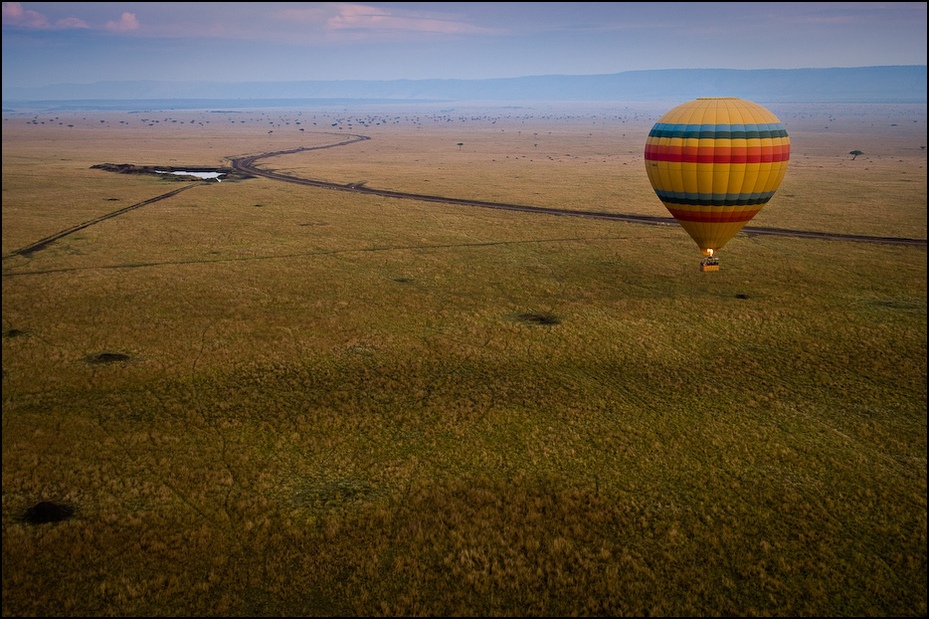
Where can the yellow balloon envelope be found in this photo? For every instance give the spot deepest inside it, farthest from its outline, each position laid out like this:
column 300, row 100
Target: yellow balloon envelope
column 714, row 163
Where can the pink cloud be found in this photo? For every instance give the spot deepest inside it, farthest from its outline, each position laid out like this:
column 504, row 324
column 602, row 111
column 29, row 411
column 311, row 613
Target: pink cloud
column 15, row 15
column 363, row 17
column 71, row 22
column 301, row 23
column 127, row 23
column 360, row 20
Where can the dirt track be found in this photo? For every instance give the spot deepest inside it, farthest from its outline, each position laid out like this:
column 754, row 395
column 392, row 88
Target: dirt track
column 43, row 243
column 247, row 165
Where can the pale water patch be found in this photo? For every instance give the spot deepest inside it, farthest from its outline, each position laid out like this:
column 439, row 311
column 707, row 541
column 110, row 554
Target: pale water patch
column 204, row 175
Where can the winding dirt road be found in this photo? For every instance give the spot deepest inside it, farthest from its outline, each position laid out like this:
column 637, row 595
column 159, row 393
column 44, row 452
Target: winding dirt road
column 247, row 165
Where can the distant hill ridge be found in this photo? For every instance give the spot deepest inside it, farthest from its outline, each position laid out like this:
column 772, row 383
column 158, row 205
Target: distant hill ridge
column 879, row 84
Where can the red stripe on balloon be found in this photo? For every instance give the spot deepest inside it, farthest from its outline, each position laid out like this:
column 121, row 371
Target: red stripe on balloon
column 723, row 154
column 710, row 217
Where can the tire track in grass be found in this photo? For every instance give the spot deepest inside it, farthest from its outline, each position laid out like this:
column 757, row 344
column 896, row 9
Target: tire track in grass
column 304, row 254
column 43, row 243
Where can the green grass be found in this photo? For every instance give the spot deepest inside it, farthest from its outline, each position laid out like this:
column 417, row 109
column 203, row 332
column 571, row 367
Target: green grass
column 341, row 405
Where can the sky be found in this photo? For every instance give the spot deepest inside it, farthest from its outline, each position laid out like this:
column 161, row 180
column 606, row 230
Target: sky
column 48, row 43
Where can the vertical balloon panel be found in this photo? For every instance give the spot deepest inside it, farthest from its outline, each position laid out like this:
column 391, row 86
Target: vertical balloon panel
column 714, row 163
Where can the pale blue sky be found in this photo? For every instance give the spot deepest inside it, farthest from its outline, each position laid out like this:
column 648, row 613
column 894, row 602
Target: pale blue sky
column 86, row 42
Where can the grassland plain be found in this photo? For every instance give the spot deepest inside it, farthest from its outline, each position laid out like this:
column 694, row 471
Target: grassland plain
column 261, row 398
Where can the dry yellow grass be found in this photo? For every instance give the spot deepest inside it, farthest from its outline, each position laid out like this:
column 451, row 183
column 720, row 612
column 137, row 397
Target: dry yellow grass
column 341, row 404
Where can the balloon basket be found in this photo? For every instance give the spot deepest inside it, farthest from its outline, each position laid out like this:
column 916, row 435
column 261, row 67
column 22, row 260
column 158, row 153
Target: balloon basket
column 710, row 264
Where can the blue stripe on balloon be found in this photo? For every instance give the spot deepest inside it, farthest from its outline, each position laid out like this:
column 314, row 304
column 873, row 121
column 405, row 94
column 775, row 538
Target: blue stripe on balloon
column 715, row 200
column 719, row 132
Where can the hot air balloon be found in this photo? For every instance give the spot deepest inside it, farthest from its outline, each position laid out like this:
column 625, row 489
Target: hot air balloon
column 714, row 163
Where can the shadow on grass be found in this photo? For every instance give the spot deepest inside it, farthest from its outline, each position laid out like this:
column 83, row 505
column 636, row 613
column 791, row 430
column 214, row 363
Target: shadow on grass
column 45, row 512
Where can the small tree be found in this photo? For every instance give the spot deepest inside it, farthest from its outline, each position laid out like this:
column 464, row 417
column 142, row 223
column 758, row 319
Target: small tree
column 460, row 144
column 855, row 154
